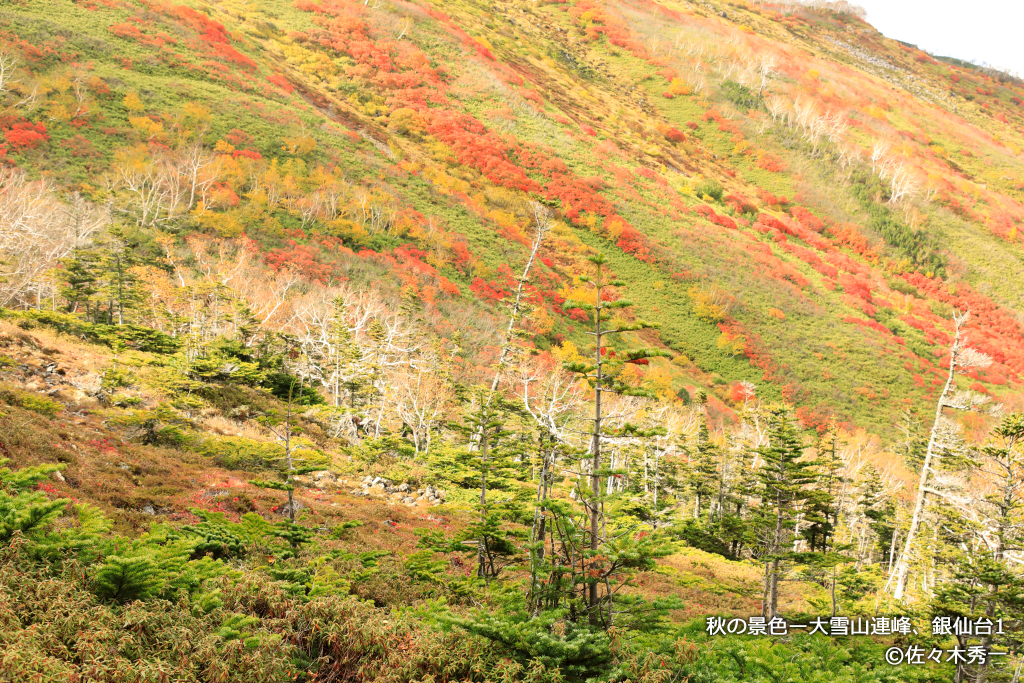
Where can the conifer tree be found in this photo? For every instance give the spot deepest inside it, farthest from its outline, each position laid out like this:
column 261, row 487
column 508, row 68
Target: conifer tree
column 80, row 281
column 492, row 459
column 879, row 510
column 703, row 476
column 784, row 478
column 822, row 509
column 602, row 377
column 986, row 582
column 122, row 288
column 283, row 424
column 101, row 279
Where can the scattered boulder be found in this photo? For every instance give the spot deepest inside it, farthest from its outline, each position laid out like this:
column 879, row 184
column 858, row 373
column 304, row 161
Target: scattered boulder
column 403, row 492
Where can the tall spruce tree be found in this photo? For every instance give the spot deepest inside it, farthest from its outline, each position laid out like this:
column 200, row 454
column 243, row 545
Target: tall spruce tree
column 703, row 476
column 602, row 375
column 879, row 511
column 822, row 510
column 492, row 459
column 785, row 478
column 986, row 583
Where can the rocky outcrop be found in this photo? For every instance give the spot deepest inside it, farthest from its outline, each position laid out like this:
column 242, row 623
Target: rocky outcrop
column 403, row 493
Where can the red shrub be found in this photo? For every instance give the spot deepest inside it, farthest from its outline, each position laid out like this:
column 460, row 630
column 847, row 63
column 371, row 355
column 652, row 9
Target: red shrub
column 26, row 135
column 717, row 219
column 675, row 135
column 770, row 199
column 771, row 163
column 281, row 82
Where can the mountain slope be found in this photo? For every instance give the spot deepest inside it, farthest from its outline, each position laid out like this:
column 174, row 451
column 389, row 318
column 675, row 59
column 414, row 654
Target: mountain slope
column 796, row 199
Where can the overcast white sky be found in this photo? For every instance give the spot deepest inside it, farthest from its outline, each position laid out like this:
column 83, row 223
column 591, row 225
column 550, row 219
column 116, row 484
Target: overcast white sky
column 989, row 31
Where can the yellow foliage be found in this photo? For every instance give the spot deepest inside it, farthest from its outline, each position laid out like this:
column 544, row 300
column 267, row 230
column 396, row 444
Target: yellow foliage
column 132, row 102
column 631, row 375
column 406, row 121
column 679, row 87
column 706, row 304
column 583, row 294
column 568, row 353
column 875, row 111
column 541, row 321
column 196, row 112
column 613, row 229
column 776, row 313
column 733, row 346
column 224, row 224
column 341, row 227
column 145, row 126
column 58, row 109
column 300, row 145
column 659, row 380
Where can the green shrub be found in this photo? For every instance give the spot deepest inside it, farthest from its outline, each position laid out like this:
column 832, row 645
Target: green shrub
column 711, row 188
column 123, row 579
column 239, row 453
column 114, row 336
column 23, row 510
column 30, row 401
column 740, row 95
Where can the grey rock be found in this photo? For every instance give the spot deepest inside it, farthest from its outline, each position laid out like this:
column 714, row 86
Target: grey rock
column 287, row 508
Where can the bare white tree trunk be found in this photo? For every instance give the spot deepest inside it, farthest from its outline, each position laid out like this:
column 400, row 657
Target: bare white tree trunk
column 960, row 356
